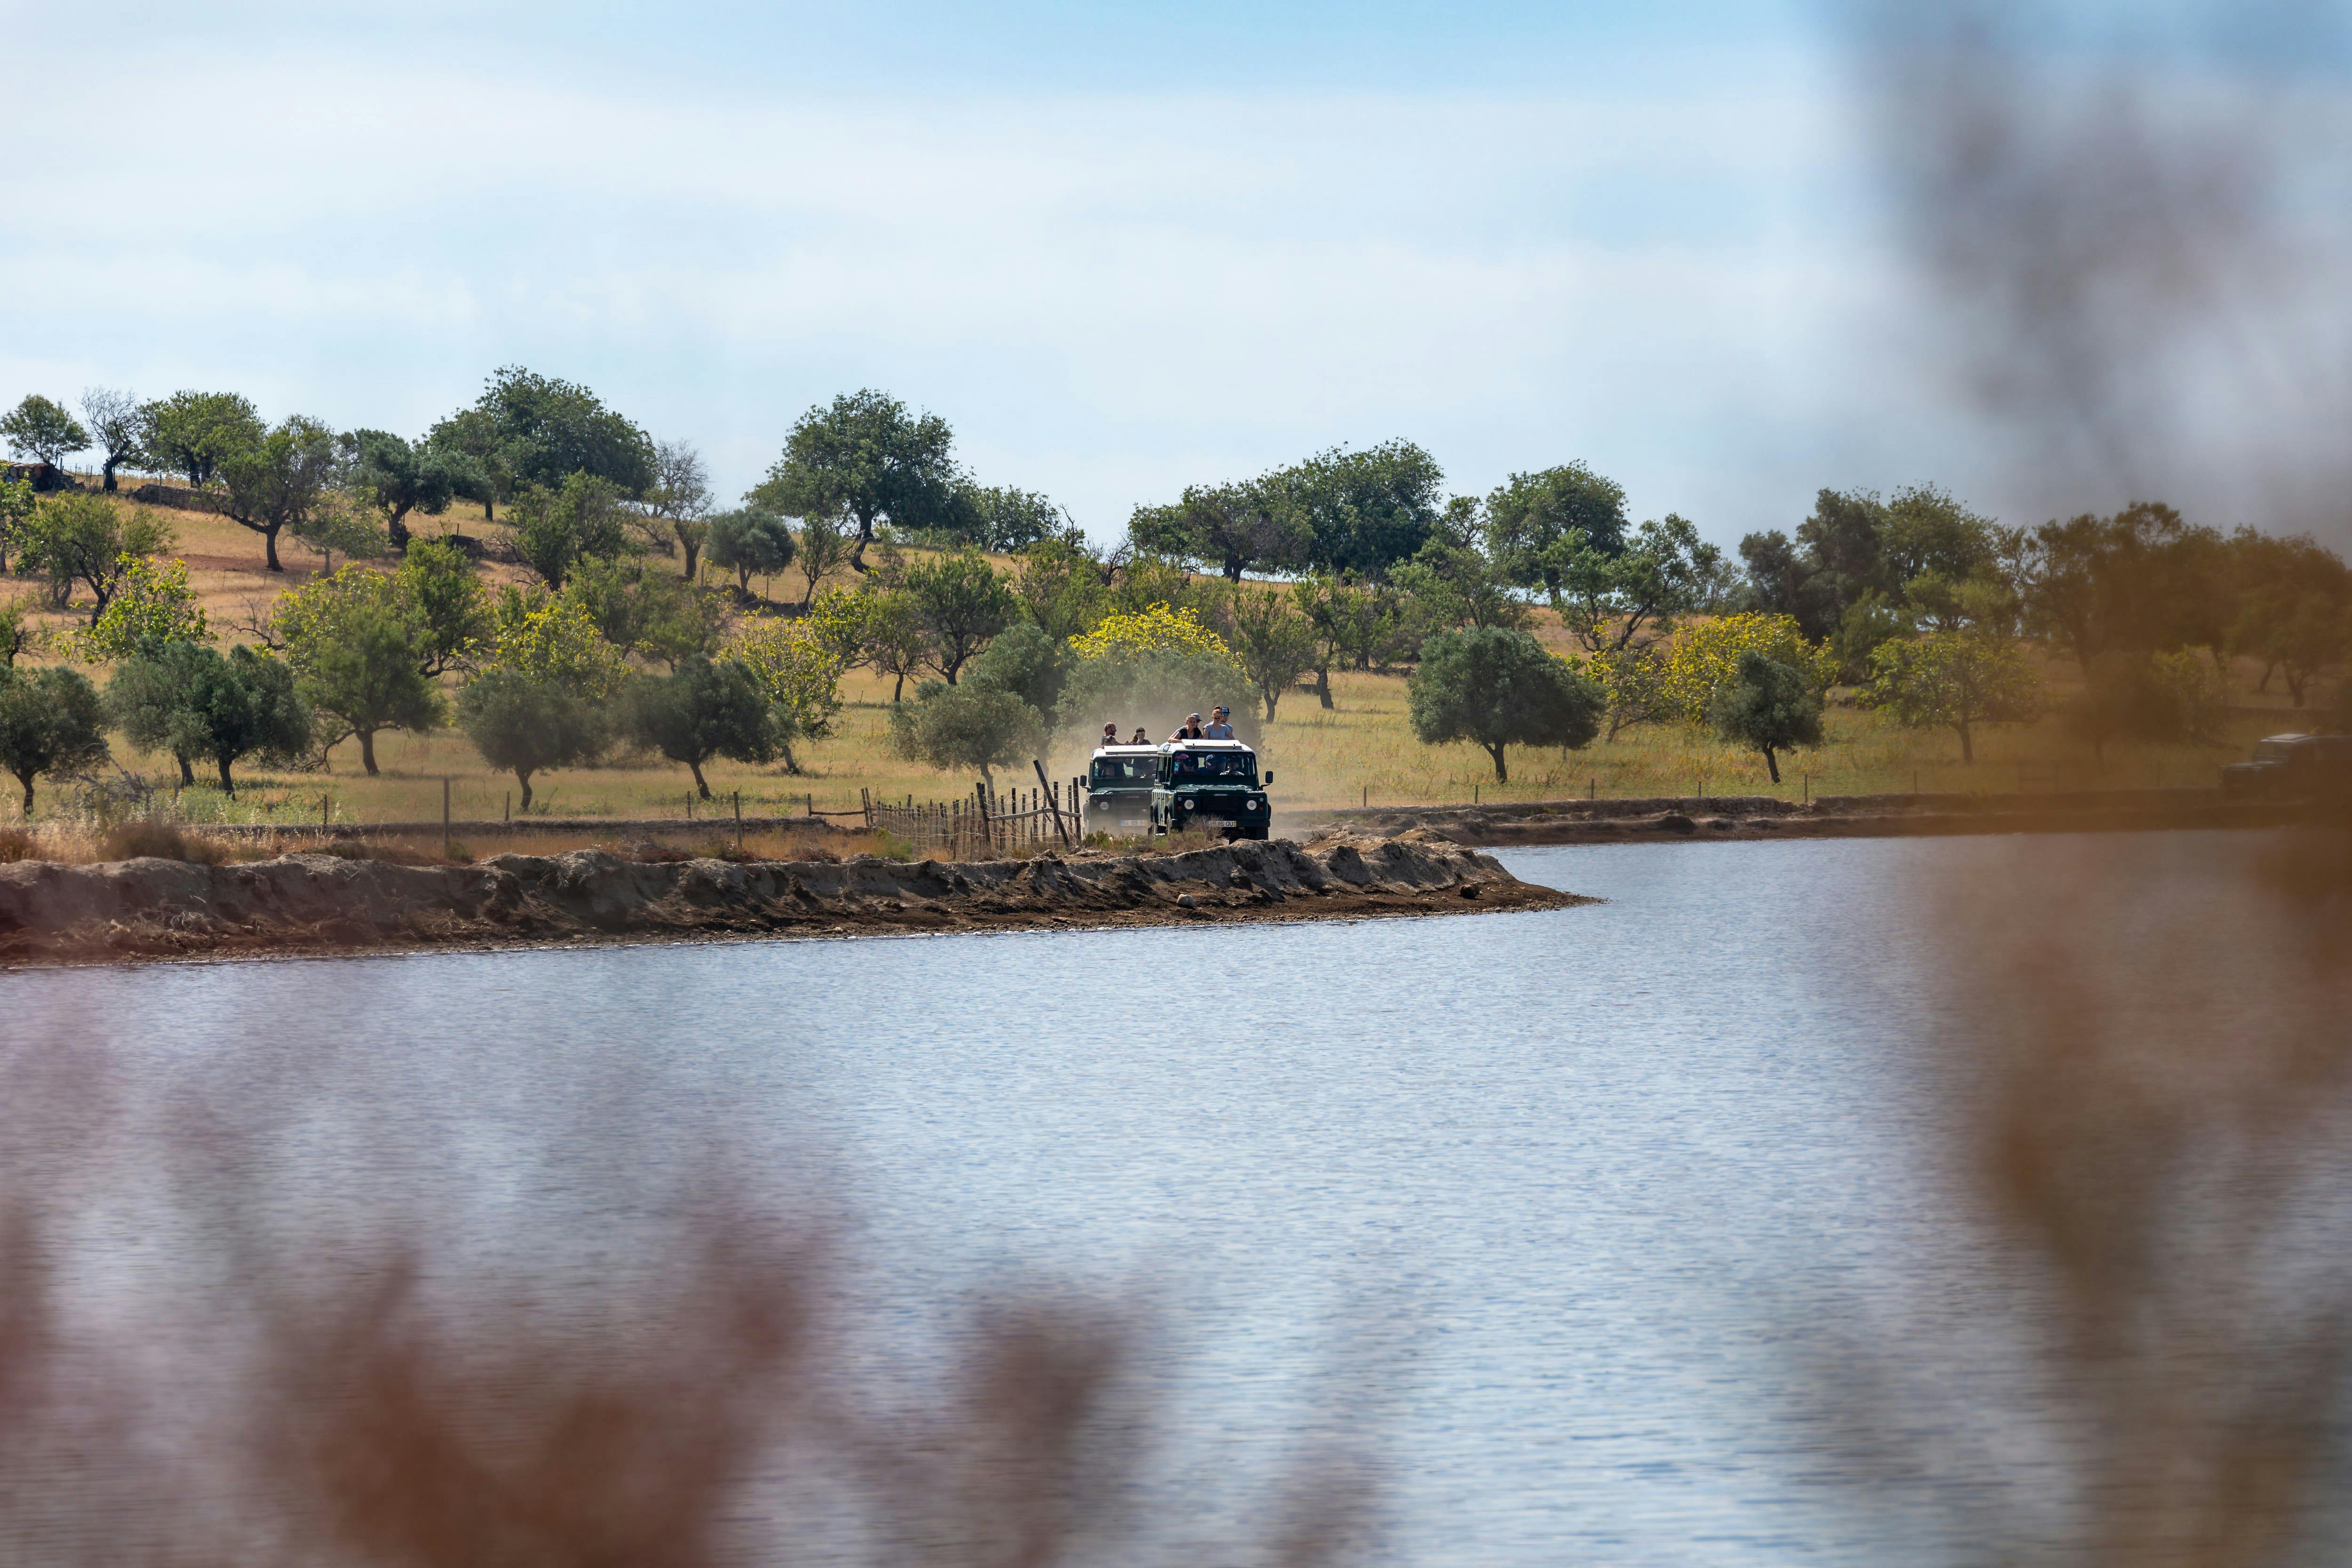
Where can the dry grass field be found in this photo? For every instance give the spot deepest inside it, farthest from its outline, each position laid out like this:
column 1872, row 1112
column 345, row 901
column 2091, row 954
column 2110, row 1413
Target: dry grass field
column 1361, row 749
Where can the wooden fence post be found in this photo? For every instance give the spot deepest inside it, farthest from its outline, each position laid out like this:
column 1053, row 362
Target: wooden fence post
column 739, row 822
column 445, row 817
column 1058, row 827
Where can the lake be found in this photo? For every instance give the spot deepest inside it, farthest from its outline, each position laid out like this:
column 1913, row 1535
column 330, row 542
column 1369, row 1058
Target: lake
column 1555, row 1215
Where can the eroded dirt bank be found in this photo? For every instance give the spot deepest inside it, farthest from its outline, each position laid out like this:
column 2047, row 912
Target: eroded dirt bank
column 1833, row 816
column 149, row 908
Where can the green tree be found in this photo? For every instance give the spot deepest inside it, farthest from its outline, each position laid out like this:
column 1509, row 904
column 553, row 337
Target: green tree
column 17, row 501
column 334, row 525
column 1027, row 662
column 1364, row 510
column 2137, row 582
column 1063, row 587
column 1000, row 516
column 525, row 723
column 1229, row 528
column 51, row 721
column 2162, row 696
column 43, row 432
column 152, row 603
column 444, row 604
column 960, row 603
column 18, row 633
column 1498, row 687
column 354, row 642
column 751, row 541
column 821, row 551
column 1533, row 523
column 473, row 441
column 557, row 529
column 648, row 611
column 281, row 481
column 1608, row 600
column 1274, row 643
column 540, row 431
column 800, row 671
column 707, row 709
column 1767, row 706
column 864, row 457
column 1450, row 585
column 118, row 427
column 680, row 494
column 196, row 432
column 192, row 701
column 398, row 479
column 73, row 537
column 1956, row 681
column 954, row 728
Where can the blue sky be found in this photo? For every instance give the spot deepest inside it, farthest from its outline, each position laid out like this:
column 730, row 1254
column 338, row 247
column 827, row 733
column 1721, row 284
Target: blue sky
column 1121, row 247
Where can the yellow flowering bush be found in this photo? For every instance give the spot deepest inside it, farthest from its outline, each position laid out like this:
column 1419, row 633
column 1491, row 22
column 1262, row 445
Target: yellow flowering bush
column 534, row 633
column 152, row 602
column 1705, row 656
column 1156, row 630
column 795, row 666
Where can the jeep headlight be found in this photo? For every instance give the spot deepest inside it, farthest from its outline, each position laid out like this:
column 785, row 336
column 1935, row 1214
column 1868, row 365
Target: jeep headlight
column 1188, row 805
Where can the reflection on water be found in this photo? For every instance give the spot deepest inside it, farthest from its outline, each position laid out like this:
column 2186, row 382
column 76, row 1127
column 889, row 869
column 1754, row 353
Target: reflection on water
column 1558, row 1214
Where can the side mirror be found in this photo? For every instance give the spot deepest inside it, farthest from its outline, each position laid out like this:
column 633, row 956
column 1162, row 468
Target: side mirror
column 1269, row 781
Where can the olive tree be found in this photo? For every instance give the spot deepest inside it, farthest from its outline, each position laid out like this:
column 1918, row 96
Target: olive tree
column 524, row 723
column 194, row 703
column 400, row 479
column 966, row 727
column 556, row 529
column 1767, row 706
column 961, row 604
column 707, row 709
column 51, row 721
column 1498, row 687
column 864, row 457
column 1275, row 644
column 750, row 540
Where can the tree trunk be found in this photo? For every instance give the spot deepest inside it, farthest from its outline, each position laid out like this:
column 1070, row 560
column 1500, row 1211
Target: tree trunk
column 791, row 766
column 27, row 780
column 701, row 788
column 693, row 554
column 2263, row 685
column 522, row 777
column 367, row 751
column 228, row 784
column 107, row 468
column 1967, row 742
column 188, row 773
column 1771, row 764
column 490, row 514
column 898, row 690
column 857, row 551
column 396, row 525
column 1502, row 773
column 269, row 546
column 2294, row 685
column 1270, row 698
column 1323, row 685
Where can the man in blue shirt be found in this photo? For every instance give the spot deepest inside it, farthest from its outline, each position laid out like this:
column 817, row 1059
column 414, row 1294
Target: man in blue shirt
column 1220, row 726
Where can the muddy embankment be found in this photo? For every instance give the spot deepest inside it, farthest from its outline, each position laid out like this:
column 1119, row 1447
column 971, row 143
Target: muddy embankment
column 1831, row 816
column 52, row 913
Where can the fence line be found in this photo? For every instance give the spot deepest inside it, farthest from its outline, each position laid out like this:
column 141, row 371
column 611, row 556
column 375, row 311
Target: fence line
column 986, row 819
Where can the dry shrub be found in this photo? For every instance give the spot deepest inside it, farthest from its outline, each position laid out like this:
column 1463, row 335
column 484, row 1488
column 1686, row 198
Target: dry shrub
column 148, row 837
column 16, row 844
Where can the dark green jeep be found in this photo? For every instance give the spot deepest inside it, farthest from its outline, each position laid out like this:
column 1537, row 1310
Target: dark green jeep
column 1209, row 786
column 1119, row 789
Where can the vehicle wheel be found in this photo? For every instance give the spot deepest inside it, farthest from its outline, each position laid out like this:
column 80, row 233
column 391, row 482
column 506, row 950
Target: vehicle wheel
column 1257, row 834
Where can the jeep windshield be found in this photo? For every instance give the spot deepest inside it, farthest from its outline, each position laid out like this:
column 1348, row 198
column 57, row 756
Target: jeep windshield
column 1212, row 768
column 1125, row 772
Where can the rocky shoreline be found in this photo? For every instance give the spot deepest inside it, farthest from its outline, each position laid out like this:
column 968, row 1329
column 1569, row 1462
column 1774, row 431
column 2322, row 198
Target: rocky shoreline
column 148, row 907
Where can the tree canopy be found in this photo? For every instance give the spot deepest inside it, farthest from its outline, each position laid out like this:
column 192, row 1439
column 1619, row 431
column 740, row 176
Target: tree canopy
column 196, row 432
column 51, row 721
column 706, row 710
column 42, row 431
column 959, row 727
column 960, row 603
column 281, row 480
column 1767, row 706
column 1534, row 522
column 1498, row 687
column 73, row 537
column 751, row 541
column 399, row 479
column 865, row 456
column 539, row 431
column 190, row 701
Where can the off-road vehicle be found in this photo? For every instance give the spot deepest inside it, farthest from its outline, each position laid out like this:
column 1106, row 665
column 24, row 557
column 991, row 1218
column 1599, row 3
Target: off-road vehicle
column 1120, row 782
column 2292, row 767
column 1209, row 786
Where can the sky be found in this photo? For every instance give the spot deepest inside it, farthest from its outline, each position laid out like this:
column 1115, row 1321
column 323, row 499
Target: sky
column 1121, row 247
